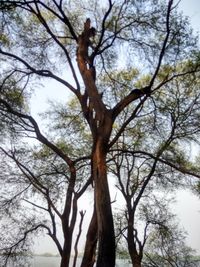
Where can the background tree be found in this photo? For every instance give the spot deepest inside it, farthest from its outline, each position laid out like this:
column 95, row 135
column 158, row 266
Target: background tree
column 158, row 237
column 166, row 247
column 36, row 177
column 50, row 39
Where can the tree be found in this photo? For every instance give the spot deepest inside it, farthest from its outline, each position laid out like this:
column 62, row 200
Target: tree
column 169, row 249
column 46, row 40
column 158, row 237
column 43, row 182
column 143, row 168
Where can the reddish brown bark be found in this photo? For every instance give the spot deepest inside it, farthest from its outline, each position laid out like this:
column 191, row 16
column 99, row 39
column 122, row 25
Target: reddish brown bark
column 100, row 122
column 106, row 237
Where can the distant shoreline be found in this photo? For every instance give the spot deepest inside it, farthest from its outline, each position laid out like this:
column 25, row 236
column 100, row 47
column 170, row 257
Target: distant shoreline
column 46, row 255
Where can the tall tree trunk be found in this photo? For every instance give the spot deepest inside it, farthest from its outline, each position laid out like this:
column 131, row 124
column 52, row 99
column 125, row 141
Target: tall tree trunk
column 65, row 259
column 106, row 237
column 136, row 257
column 137, row 263
column 91, row 242
column 100, row 121
column 82, row 214
column 68, row 228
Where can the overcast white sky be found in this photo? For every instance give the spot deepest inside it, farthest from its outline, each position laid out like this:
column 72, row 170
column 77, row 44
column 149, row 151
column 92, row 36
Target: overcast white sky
column 191, row 8
column 188, row 206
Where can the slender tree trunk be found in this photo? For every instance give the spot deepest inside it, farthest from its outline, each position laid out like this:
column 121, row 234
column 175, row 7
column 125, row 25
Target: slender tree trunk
column 68, row 229
column 82, row 214
column 91, row 242
column 137, row 263
column 65, row 259
column 68, row 235
column 136, row 257
column 106, row 237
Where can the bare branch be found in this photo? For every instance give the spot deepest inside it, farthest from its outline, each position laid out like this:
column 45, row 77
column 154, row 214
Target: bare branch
column 39, row 135
column 43, row 73
column 162, row 52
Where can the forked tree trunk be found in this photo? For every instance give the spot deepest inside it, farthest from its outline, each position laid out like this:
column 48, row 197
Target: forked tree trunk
column 136, row 257
column 68, row 226
column 137, row 263
column 100, row 121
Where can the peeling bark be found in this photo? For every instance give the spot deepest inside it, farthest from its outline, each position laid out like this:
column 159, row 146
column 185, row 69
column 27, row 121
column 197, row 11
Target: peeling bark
column 100, row 122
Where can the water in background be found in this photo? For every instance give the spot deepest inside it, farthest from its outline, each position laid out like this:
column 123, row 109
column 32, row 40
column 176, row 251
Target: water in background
column 42, row 261
column 46, row 261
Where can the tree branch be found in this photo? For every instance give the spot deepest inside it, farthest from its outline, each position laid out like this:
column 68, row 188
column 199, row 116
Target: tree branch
column 162, row 52
column 181, row 169
column 39, row 135
column 43, row 73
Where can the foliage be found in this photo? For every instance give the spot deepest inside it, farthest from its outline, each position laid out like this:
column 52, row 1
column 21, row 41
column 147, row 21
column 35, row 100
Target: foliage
column 132, row 72
column 166, row 247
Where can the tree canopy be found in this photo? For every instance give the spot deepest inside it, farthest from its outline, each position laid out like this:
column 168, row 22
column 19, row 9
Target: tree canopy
column 132, row 72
